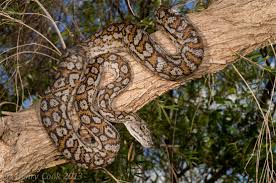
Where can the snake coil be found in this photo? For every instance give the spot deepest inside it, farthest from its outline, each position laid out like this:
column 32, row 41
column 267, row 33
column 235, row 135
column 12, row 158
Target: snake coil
column 77, row 113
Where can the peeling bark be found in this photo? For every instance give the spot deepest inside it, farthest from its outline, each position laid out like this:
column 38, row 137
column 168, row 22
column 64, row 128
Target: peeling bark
column 228, row 28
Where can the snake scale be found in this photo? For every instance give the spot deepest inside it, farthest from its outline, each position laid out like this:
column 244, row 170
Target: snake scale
column 77, row 111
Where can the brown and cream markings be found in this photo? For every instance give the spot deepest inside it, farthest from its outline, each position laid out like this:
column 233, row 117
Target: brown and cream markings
column 77, row 113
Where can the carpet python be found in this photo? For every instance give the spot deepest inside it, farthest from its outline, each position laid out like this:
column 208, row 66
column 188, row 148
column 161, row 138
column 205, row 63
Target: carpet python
column 77, row 111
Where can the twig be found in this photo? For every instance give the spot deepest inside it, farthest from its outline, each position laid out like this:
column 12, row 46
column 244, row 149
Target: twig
column 5, row 103
column 113, row 177
column 53, row 22
column 29, row 44
column 28, row 52
column 254, row 63
column 253, row 95
column 267, row 170
column 22, row 23
column 130, row 8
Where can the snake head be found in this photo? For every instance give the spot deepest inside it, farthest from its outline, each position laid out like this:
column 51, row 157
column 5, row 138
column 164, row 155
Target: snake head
column 140, row 131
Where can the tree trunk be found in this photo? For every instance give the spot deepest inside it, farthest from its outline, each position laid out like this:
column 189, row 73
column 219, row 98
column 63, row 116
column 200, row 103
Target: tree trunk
column 229, row 28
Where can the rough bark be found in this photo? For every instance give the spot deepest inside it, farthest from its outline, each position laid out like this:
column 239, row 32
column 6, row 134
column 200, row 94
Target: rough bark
column 228, row 28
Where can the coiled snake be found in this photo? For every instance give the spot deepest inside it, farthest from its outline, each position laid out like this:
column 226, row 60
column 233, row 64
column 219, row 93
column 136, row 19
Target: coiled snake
column 77, row 112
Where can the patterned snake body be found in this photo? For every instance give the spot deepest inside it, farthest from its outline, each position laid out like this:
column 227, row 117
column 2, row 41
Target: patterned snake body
column 76, row 140
column 76, row 111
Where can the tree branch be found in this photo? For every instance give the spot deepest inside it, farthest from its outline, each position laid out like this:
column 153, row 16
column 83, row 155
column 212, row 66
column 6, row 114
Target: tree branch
column 227, row 27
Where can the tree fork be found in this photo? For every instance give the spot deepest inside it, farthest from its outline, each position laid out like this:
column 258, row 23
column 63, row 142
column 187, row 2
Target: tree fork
column 228, row 28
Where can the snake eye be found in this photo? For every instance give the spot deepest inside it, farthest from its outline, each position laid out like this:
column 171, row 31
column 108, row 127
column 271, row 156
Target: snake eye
column 143, row 128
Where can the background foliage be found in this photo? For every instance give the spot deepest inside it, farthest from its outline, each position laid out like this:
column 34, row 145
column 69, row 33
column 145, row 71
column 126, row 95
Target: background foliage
column 205, row 131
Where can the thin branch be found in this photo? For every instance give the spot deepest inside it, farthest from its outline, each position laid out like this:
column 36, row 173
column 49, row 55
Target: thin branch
column 130, row 8
column 251, row 91
column 28, row 52
column 267, row 170
column 29, row 44
column 22, row 23
column 6, row 103
column 113, row 177
column 53, row 22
